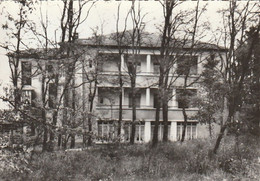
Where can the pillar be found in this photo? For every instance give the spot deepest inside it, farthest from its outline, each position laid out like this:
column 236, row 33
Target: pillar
column 147, row 97
column 173, row 131
column 174, row 67
column 147, row 131
column 148, row 63
column 122, row 63
column 174, row 100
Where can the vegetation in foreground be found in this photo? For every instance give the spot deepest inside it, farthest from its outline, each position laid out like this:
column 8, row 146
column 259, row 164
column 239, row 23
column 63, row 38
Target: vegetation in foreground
column 173, row 161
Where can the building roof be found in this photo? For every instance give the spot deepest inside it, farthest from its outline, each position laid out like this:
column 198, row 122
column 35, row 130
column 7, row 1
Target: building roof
column 38, row 53
column 148, row 40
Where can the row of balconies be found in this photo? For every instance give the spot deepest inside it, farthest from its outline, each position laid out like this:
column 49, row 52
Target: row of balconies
column 148, row 64
column 146, row 100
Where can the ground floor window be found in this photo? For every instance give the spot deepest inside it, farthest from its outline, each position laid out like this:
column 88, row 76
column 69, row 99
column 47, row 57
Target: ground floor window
column 139, row 131
column 191, row 130
column 107, row 130
column 160, row 130
column 127, row 131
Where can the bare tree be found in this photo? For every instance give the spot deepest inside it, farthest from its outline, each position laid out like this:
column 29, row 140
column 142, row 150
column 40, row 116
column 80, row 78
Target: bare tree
column 70, row 21
column 175, row 44
column 132, row 57
column 236, row 18
column 119, row 37
column 17, row 28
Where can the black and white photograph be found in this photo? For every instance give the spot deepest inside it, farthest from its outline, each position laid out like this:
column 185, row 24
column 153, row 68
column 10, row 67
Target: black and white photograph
column 129, row 90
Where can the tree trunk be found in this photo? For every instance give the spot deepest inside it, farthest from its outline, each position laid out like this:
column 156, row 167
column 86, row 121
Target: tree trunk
column 52, row 135
column 132, row 138
column 89, row 131
column 45, row 133
column 156, row 126
column 165, row 121
column 184, row 124
column 120, row 108
column 220, row 136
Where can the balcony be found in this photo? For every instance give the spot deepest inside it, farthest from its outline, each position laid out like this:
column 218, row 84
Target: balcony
column 144, row 79
column 145, row 101
column 142, row 113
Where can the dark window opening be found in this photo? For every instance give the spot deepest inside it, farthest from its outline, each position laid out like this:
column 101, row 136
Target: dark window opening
column 101, row 100
column 71, row 69
column 52, row 94
column 26, row 73
column 156, row 67
column 155, row 99
column 90, row 63
column 50, row 70
column 137, row 100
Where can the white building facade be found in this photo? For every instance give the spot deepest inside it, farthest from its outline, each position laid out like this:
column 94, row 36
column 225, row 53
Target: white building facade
column 105, row 114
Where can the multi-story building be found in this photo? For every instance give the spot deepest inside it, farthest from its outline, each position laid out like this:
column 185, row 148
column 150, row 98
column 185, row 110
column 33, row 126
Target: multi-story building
column 106, row 104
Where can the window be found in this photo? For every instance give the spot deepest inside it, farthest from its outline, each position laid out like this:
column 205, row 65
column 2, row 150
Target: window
column 52, row 95
column 155, row 99
column 139, row 132
column 185, row 97
column 71, row 68
column 187, row 65
column 137, row 99
column 100, row 99
column 90, row 63
column 27, row 97
column 50, row 70
column 107, row 62
column 156, row 67
column 190, row 132
column 160, row 130
column 131, row 67
column 127, row 130
column 134, row 62
column 26, row 73
column 107, row 130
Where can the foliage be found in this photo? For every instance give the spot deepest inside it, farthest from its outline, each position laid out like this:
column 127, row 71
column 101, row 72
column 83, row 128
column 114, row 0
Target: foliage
column 212, row 89
column 173, row 161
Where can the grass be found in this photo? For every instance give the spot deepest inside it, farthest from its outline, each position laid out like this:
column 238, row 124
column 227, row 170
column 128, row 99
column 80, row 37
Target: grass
column 172, row 161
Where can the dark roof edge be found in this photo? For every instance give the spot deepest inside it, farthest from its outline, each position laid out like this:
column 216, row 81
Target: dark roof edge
column 155, row 48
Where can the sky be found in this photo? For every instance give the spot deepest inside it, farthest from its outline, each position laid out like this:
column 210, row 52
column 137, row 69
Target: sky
column 102, row 17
